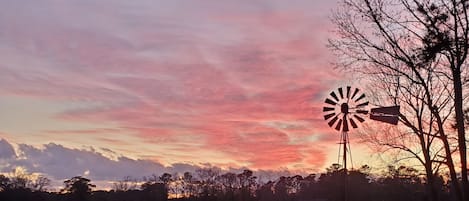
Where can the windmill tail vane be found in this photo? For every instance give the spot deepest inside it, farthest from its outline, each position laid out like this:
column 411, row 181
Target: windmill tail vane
column 388, row 115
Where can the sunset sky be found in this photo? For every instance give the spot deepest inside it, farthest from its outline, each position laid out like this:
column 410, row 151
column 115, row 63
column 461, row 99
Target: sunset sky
column 113, row 88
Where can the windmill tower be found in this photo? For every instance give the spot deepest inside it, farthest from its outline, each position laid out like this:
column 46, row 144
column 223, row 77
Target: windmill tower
column 346, row 109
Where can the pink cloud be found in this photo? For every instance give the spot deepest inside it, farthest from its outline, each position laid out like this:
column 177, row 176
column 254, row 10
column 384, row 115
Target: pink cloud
column 164, row 78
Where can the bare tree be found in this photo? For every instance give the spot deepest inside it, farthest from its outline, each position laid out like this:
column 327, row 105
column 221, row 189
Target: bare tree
column 189, row 184
column 126, row 184
column 177, row 186
column 207, row 179
column 247, row 184
column 40, row 183
column 418, row 48
column 229, row 184
column 417, row 138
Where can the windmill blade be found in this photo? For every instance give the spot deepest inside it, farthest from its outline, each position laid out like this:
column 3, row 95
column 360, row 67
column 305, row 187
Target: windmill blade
column 355, row 93
column 348, row 91
column 359, row 118
column 331, row 102
column 328, row 116
column 341, row 93
column 354, row 125
column 337, row 127
column 362, row 111
column 334, row 96
column 363, row 104
column 331, row 123
column 345, row 126
column 361, row 97
column 327, row 109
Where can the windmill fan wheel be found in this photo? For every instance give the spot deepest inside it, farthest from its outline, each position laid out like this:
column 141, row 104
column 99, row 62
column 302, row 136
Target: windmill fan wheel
column 345, row 107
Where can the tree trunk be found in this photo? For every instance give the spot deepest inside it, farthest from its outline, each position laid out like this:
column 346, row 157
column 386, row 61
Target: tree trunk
column 458, row 105
column 431, row 190
column 449, row 159
column 430, row 185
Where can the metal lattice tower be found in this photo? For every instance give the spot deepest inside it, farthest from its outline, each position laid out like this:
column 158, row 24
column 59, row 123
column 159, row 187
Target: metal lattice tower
column 345, row 108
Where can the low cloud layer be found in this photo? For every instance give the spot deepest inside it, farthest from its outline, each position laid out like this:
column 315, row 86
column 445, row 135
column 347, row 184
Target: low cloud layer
column 60, row 163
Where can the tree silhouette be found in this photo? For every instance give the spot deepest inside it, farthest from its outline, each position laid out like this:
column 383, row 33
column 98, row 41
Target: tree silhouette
column 396, row 183
column 40, row 183
column 127, row 183
column 154, row 191
column 208, row 177
column 247, row 182
column 78, row 187
column 228, row 182
column 416, row 51
column 4, row 183
column 265, row 192
column 189, row 184
column 166, row 178
column 281, row 189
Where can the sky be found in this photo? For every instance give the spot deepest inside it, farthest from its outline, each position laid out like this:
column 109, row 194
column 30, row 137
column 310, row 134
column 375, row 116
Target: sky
column 113, row 88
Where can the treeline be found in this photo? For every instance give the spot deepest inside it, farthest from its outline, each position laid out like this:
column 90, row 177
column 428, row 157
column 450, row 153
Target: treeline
column 210, row 184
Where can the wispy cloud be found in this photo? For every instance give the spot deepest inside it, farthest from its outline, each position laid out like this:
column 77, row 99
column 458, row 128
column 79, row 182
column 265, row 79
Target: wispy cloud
column 208, row 81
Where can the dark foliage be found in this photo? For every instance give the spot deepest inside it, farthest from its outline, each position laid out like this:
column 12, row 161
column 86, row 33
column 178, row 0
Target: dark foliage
column 398, row 183
column 78, row 188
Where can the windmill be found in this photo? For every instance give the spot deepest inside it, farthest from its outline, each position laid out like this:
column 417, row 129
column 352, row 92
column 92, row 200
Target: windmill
column 346, row 109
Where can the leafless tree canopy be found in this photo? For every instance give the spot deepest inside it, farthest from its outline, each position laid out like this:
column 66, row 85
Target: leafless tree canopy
column 414, row 54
